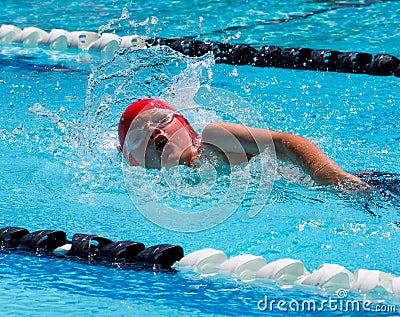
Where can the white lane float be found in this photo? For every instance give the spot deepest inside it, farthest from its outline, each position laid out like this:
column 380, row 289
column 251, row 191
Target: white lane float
column 288, row 273
column 243, row 267
column 8, row 33
column 204, row 261
column 63, row 250
column 81, row 39
column 372, row 281
column 59, row 39
column 30, row 36
column 135, row 42
column 283, row 272
column 396, row 286
column 107, row 44
column 328, row 277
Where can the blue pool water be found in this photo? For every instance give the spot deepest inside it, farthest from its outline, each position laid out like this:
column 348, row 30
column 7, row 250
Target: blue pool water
column 60, row 167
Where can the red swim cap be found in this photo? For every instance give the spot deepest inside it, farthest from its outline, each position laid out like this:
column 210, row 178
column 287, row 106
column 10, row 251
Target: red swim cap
column 137, row 107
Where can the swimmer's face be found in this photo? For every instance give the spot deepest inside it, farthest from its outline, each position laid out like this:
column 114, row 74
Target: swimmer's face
column 157, row 139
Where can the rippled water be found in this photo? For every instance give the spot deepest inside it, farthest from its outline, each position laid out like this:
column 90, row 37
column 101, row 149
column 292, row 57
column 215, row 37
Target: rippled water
column 60, row 167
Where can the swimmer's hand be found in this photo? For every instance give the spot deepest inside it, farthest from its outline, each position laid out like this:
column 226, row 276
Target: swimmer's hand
column 351, row 183
column 331, row 174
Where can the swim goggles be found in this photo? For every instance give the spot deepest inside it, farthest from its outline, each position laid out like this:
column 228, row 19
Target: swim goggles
column 159, row 118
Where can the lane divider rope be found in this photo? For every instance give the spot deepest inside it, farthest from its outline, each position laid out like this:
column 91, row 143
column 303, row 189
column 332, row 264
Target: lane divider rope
column 239, row 54
column 207, row 262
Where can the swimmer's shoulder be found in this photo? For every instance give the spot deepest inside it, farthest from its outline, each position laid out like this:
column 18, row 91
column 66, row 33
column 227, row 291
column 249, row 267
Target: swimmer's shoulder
column 217, row 156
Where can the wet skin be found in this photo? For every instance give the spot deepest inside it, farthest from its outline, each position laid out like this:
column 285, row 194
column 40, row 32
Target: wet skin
column 171, row 145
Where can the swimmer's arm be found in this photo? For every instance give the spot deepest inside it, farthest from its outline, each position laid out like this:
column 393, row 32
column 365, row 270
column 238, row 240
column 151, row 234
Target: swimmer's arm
column 230, row 137
column 313, row 160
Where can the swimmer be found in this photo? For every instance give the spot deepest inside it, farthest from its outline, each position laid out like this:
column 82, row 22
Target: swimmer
column 152, row 134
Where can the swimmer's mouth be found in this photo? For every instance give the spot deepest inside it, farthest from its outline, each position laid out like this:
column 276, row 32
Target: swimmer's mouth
column 160, row 141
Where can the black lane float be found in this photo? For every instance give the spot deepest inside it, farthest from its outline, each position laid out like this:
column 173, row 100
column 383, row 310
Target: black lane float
column 291, row 58
column 92, row 248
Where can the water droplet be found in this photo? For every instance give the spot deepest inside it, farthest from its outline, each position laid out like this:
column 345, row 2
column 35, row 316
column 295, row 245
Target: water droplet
column 237, row 35
column 200, row 23
column 154, row 20
column 125, row 14
column 234, row 72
